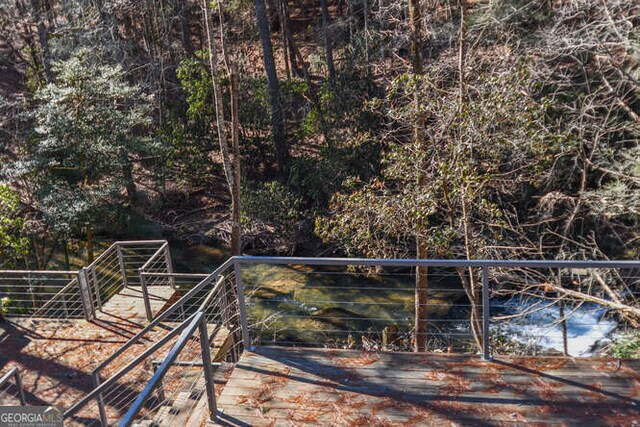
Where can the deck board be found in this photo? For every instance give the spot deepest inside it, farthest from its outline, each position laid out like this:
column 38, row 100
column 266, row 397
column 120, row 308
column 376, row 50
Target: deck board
column 293, row 386
column 129, row 302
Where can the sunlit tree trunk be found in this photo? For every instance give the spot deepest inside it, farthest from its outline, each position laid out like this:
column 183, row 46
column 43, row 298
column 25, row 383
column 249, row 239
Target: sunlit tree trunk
column 285, row 43
column 231, row 168
column 468, row 277
column 422, row 273
column 236, row 230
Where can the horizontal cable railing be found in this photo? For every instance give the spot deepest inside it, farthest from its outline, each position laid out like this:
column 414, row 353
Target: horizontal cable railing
column 184, row 381
column 78, row 294
column 136, row 254
column 215, row 297
column 117, row 267
column 112, row 397
column 477, row 306
column 11, row 389
column 194, row 333
column 179, row 282
column 54, row 294
column 521, row 307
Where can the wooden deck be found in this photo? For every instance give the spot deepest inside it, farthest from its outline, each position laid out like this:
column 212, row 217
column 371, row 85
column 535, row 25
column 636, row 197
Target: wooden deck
column 293, row 386
column 129, row 303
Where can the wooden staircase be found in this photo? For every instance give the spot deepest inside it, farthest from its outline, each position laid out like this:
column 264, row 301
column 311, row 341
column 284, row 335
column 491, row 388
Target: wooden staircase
column 189, row 406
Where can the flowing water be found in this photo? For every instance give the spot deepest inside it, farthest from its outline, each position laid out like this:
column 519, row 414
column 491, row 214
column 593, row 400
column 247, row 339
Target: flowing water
column 586, row 325
column 304, row 305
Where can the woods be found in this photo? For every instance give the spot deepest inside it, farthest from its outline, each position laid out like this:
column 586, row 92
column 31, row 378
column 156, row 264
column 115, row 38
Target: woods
column 503, row 129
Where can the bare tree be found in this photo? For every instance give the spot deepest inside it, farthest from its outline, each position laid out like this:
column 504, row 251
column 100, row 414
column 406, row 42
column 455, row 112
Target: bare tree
column 231, row 167
column 422, row 273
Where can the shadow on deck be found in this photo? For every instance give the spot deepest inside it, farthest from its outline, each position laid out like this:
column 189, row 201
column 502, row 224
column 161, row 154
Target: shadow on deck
column 282, row 386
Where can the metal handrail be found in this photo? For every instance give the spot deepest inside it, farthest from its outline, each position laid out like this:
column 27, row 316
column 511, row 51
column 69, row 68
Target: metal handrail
column 162, row 316
column 15, row 374
column 484, row 265
column 397, row 262
column 152, row 257
column 177, row 275
column 138, row 242
column 237, row 261
column 96, row 392
column 198, row 322
column 72, row 283
column 38, row 272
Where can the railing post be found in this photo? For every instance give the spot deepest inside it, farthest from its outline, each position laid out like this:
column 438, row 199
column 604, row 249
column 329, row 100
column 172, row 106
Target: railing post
column 22, row 397
column 123, row 270
column 208, row 369
column 160, row 387
column 145, row 294
column 563, row 320
column 99, row 399
column 246, row 341
column 96, row 286
column 486, row 350
column 169, row 263
column 225, row 303
column 33, row 297
column 85, row 294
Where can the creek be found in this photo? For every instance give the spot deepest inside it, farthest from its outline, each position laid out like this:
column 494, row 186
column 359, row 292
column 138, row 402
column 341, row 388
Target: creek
column 310, row 306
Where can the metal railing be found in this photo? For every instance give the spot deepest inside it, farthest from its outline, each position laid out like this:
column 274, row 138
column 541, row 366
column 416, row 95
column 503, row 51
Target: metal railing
column 214, row 300
column 198, row 325
column 119, row 265
column 78, row 294
column 14, row 389
column 329, row 302
column 340, row 303
column 179, row 282
column 370, row 303
column 41, row 293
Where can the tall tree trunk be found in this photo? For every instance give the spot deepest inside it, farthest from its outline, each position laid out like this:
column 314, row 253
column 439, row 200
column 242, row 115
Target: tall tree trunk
column 232, row 170
column 285, row 42
column 328, row 44
column 293, row 52
column 236, row 230
column 221, row 125
column 422, row 274
column 421, row 298
column 415, row 19
column 42, row 38
column 277, row 119
column 471, row 285
column 185, row 28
